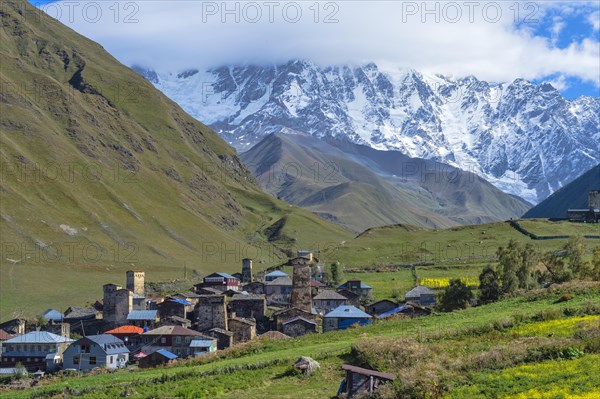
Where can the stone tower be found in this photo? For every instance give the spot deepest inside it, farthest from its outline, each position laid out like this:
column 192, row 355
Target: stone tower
column 594, row 199
column 108, row 310
column 301, row 295
column 123, row 305
column 211, row 312
column 246, row 271
column 135, row 282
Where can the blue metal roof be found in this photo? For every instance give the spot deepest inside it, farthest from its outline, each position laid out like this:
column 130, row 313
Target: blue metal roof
column 394, row 311
column 348, row 312
column 167, row 354
column 201, row 343
column 53, row 315
column 180, row 301
column 276, row 273
column 142, row 315
column 38, row 337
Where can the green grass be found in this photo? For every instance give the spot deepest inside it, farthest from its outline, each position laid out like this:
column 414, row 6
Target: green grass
column 543, row 227
column 386, row 285
column 260, row 367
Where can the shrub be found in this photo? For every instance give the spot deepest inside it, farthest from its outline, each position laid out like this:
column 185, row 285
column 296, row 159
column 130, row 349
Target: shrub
column 565, row 298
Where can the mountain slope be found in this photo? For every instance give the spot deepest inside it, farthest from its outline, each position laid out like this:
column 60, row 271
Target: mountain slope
column 101, row 172
column 524, row 138
column 574, row 195
column 360, row 188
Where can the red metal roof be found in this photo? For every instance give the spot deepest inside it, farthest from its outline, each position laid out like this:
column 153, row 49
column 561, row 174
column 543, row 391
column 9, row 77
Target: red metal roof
column 126, row 330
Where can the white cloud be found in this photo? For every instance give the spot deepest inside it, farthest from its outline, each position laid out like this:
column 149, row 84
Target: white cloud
column 594, row 20
column 560, row 83
column 479, row 39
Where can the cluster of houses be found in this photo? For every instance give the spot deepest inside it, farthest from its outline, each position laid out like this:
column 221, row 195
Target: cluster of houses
column 221, row 311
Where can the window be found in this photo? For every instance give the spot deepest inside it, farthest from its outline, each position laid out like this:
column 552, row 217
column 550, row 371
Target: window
column 92, row 359
column 177, row 340
column 39, row 348
column 187, row 340
column 110, row 359
column 85, row 348
column 163, row 340
column 75, row 359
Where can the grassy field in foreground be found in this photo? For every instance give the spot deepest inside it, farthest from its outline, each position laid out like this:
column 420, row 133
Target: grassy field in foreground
column 476, row 346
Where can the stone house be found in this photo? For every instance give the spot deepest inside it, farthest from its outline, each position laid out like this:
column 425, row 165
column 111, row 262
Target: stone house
column 358, row 287
column 189, row 296
column 279, row 291
column 248, row 306
column 224, row 338
column 200, row 290
column 255, row 287
column 379, row 307
column 243, row 329
column 327, row 300
column 421, row 295
column 274, row 275
column 286, row 314
column 76, row 314
column 159, row 357
column 36, row 350
column 174, row 307
column 352, row 298
column 298, row 326
column 93, row 351
column 211, row 312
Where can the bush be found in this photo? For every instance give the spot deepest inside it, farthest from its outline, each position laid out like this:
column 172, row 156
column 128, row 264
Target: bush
column 565, row 298
column 456, row 296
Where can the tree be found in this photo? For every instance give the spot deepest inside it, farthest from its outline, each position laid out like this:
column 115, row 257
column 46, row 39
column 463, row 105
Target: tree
column 575, row 250
column 508, row 261
column 336, row 273
column 489, row 285
column 528, row 257
column 41, row 321
column 456, row 296
column 595, row 269
column 557, row 270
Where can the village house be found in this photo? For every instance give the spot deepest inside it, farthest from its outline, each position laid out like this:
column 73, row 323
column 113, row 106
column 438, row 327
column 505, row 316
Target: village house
column 279, row 291
column 248, row 305
column 211, row 312
column 94, row 351
column 222, row 282
column 4, row 336
column 175, row 321
column 344, row 317
column 317, row 286
column 36, row 350
column 159, row 357
column 128, row 334
column 174, row 307
column 327, row 300
column 379, row 307
column 175, row 339
column 14, row 326
column 298, row 326
column 143, row 318
column 407, row 310
column 53, row 316
column 283, row 315
column 76, row 314
column 200, row 290
column 255, row 287
column 357, row 287
column 351, row 297
column 201, row 345
column 359, row 381
column 188, row 296
column 243, row 329
column 274, row 275
column 224, row 338
column 273, row 335
column 421, row 295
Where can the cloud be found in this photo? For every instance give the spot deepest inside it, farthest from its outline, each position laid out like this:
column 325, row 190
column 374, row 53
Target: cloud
column 494, row 41
column 594, row 20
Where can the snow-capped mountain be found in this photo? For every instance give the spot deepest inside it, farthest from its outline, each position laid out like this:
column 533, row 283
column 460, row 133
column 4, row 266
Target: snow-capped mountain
column 524, row 138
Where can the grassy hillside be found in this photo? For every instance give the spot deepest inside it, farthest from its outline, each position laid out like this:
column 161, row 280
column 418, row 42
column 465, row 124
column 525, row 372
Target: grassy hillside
column 498, row 350
column 463, row 245
column 352, row 188
column 102, row 173
column 573, row 195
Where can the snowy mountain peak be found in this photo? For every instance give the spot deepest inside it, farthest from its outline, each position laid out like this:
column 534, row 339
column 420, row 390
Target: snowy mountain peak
column 524, row 138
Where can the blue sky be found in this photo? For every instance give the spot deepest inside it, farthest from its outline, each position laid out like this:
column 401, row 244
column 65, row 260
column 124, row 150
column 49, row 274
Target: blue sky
column 550, row 41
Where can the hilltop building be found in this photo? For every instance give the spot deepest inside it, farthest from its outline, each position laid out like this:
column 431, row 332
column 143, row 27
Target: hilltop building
column 589, row 215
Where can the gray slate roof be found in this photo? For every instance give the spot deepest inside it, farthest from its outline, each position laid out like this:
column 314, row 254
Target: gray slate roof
column 110, row 344
column 280, row 281
column 418, row 291
column 330, row 295
column 142, row 315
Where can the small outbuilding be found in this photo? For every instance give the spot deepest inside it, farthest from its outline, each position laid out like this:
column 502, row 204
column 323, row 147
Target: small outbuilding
column 159, row 357
column 421, row 295
column 360, row 380
column 345, row 316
